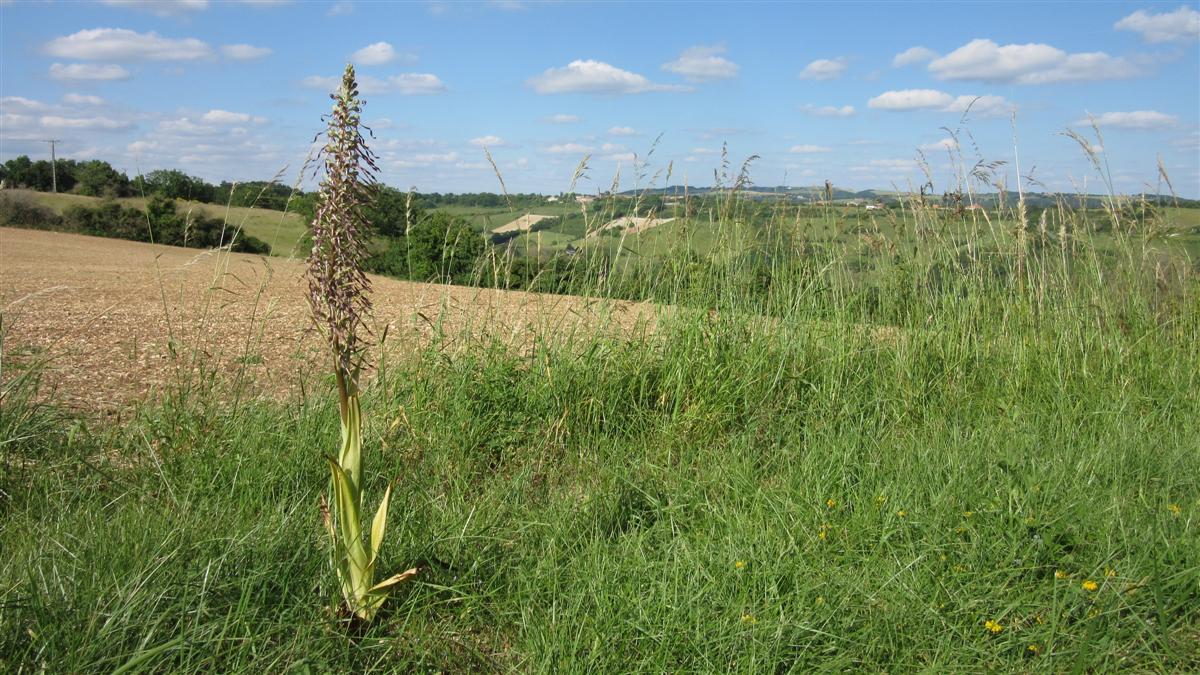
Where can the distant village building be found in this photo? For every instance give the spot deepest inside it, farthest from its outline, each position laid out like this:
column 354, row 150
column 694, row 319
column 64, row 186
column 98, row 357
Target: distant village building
column 552, row 198
column 874, row 207
column 584, row 199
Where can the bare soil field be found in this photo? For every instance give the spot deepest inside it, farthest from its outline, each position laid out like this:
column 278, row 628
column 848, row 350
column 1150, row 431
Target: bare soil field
column 631, row 224
column 116, row 321
column 521, row 224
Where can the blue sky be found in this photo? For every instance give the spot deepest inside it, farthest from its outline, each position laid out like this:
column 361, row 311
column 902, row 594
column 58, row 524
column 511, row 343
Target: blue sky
column 849, row 92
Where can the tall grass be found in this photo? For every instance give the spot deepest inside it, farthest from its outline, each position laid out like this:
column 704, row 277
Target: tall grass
column 942, row 444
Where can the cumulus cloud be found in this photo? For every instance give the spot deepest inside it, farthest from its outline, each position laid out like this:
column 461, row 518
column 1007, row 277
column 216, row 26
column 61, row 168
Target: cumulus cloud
column 90, row 123
column 488, row 141
column 122, row 44
column 244, row 52
column 160, row 7
column 88, row 72
column 906, row 100
column 21, row 104
column 378, row 54
column 594, row 77
column 82, row 99
column 1180, row 25
column 568, row 149
column 986, row 61
column 407, row 84
column 944, row 144
column 828, row 110
column 562, row 118
column 622, row 131
column 226, row 117
column 807, row 149
column 1136, row 119
column 913, row 55
column 702, row 64
column 824, row 69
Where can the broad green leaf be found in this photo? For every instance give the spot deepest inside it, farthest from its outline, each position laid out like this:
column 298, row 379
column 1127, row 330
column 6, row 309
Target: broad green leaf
column 379, row 524
column 393, row 580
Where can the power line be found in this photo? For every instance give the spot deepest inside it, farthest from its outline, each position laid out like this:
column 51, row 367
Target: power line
column 53, row 163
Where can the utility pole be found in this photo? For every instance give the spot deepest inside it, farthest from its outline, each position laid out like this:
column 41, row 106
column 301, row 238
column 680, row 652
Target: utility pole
column 53, row 164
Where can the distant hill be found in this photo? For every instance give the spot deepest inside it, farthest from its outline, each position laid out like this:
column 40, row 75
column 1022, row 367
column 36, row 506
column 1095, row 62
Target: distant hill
column 817, row 192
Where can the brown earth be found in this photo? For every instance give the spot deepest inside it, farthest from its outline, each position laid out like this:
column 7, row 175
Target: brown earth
column 116, row 322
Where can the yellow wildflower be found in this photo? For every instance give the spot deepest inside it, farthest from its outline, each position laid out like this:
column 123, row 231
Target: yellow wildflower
column 993, row 626
column 1110, row 572
column 1089, row 585
column 902, row 513
column 879, row 499
column 749, row 619
column 823, row 534
column 1059, row 574
column 741, row 564
column 1174, row 509
column 831, row 502
column 820, row 599
column 968, row 514
column 1034, row 649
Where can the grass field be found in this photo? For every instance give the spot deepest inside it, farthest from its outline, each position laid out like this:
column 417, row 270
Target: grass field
column 964, row 456
column 283, row 231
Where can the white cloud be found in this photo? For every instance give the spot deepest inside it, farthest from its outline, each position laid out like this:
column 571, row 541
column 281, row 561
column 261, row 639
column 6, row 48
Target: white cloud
column 913, row 55
column 807, row 149
column 594, row 77
column 905, row 100
column 88, row 72
column 702, row 64
column 407, row 84
column 944, row 144
column 885, row 166
column 244, row 52
column 1177, row 26
column 82, row 99
column 704, row 151
column 121, row 44
column 911, row 99
column 487, row 141
column 226, row 117
column 1136, row 119
column 341, row 7
column 378, row 54
column 84, row 123
column 161, row 7
column 568, row 149
column 622, row 131
column 21, row 104
column 436, row 158
column 824, row 69
column 828, row 110
column 562, row 118
column 1032, row 63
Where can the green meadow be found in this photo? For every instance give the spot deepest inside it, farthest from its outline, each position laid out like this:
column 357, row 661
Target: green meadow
column 912, row 442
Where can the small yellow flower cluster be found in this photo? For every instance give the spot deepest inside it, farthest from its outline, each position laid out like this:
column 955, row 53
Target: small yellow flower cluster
column 902, row 513
column 823, row 533
column 993, row 626
column 831, row 503
column 879, row 499
column 1174, row 509
column 749, row 619
column 1089, row 585
column 968, row 514
column 741, row 564
column 1034, row 650
column 1059, row 574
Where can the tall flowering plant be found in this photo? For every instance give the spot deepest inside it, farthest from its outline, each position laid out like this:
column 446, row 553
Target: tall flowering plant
column 338, row 290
